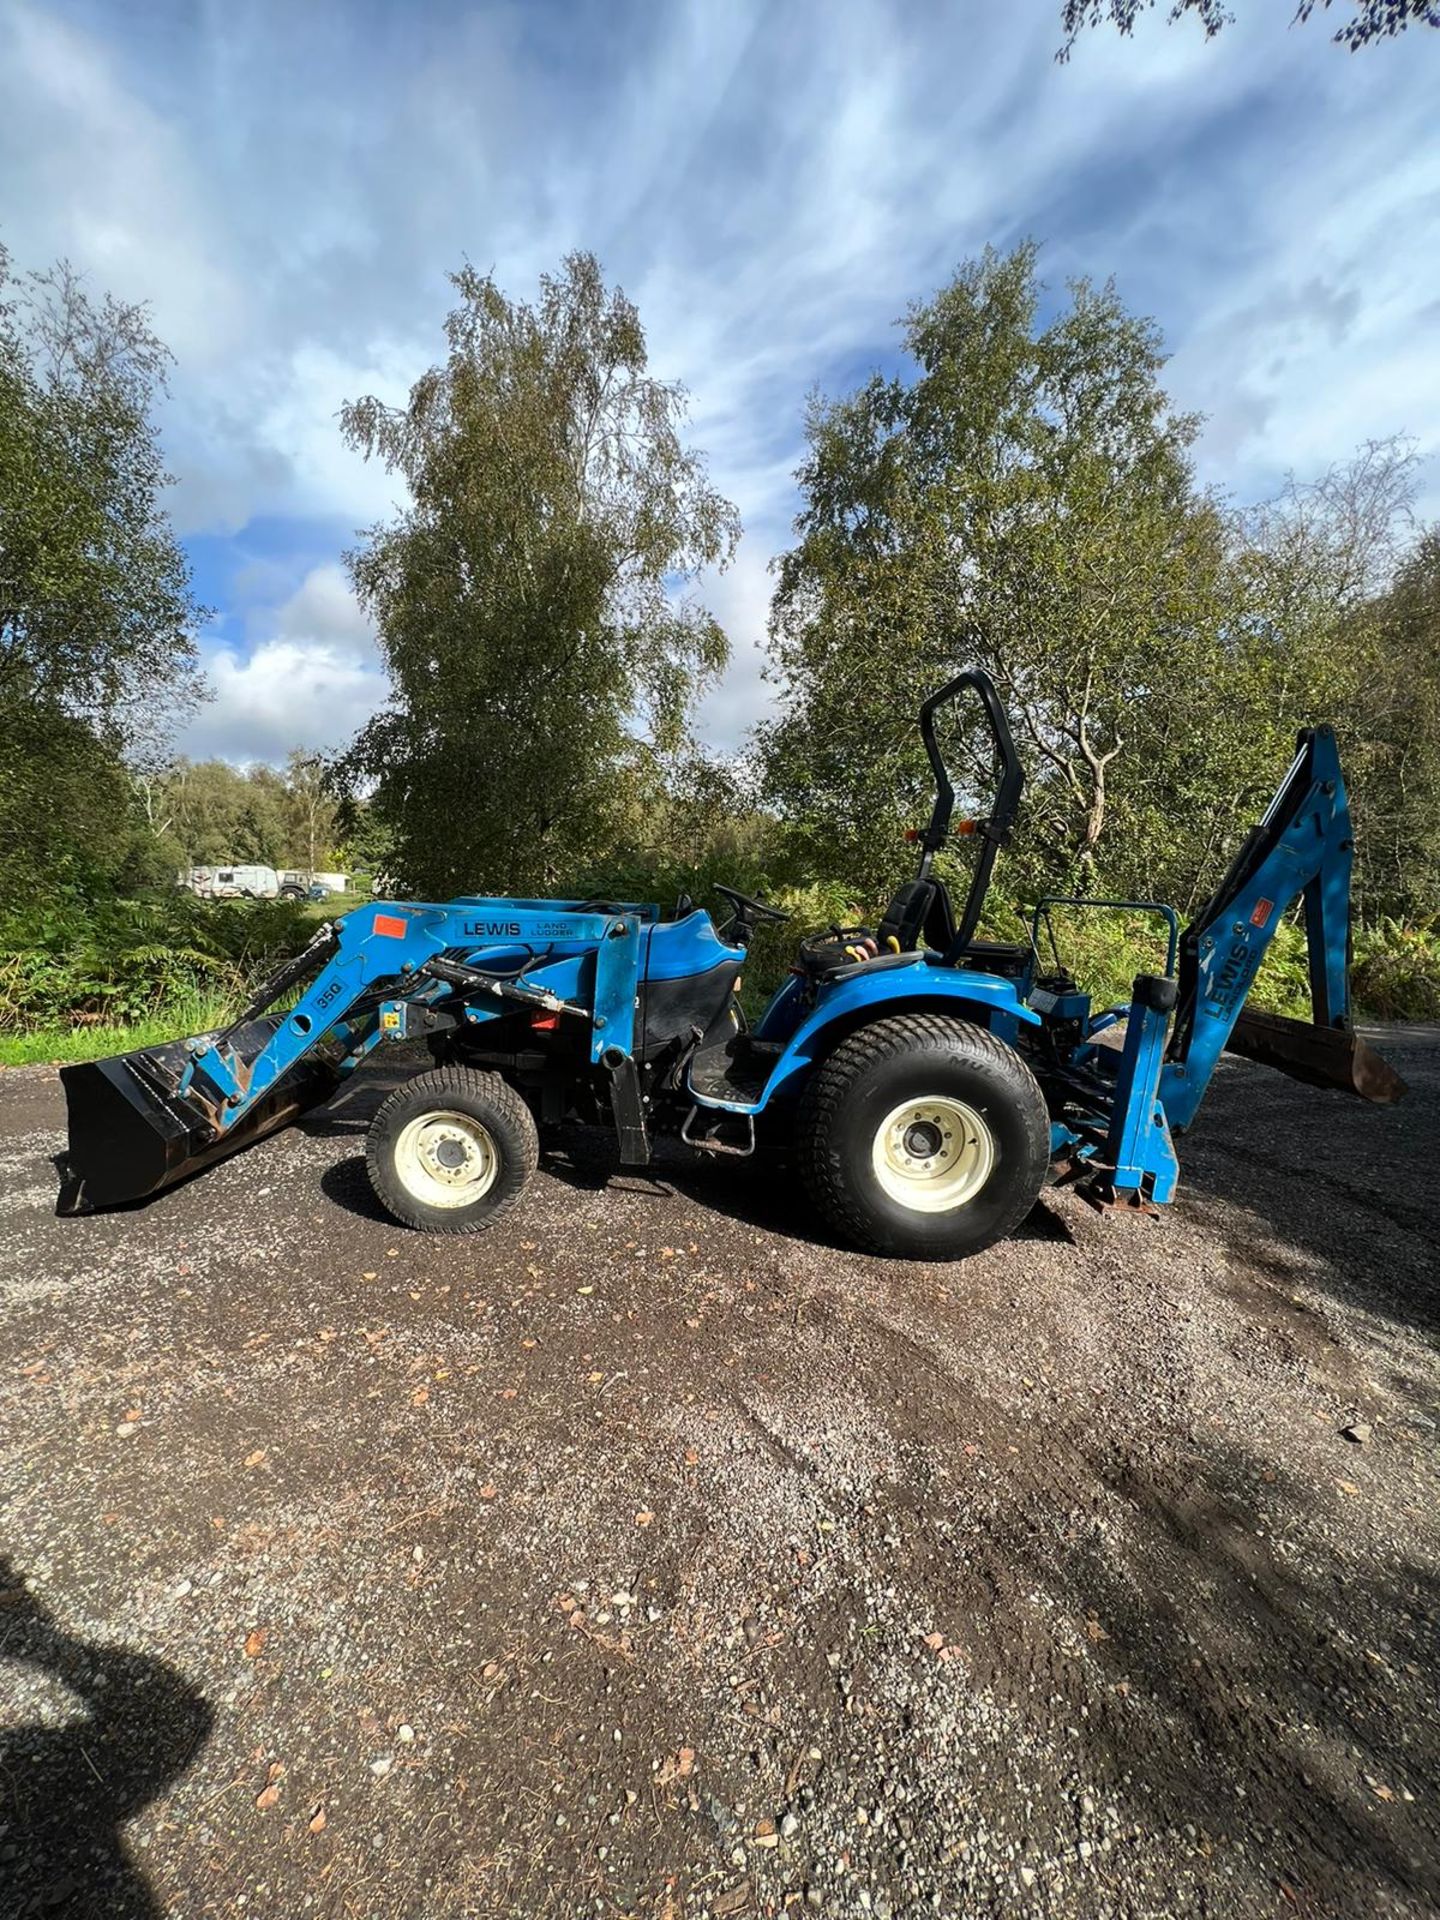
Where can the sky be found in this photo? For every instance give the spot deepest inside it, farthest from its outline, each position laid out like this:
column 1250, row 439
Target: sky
column 772, row 181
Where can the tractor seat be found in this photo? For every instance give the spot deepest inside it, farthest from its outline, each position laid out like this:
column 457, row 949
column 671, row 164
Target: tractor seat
column 834, row 956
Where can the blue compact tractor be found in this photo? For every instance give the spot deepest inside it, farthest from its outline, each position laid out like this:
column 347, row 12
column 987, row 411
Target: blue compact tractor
column 929, row 1083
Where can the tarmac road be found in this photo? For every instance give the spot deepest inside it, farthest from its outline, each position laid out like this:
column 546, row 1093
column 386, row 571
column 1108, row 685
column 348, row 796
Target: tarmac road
column 652, row 1556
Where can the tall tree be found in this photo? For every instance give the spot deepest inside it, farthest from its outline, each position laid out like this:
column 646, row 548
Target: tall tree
column 97, row 614
column 1373, row 19
column 1024, row 502
column 1394, row 750
column 528, row 598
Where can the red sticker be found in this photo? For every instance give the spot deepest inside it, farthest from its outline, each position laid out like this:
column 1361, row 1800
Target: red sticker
column 390, row 926
column 1263, row 911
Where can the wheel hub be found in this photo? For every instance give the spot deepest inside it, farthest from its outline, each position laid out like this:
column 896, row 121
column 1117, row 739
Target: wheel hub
column 446, row 1159
column 924, row 1140
column 933, row 1154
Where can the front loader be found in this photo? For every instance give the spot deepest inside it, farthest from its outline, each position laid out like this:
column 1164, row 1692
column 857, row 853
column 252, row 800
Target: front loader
column 929, row 1083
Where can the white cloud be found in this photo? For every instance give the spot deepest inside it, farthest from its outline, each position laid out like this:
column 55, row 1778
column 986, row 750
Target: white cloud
column 310, row 678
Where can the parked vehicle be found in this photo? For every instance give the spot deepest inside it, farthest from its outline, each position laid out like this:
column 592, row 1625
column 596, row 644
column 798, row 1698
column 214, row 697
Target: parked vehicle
column 928, row 1082
column 297, row 883
column 231, row 883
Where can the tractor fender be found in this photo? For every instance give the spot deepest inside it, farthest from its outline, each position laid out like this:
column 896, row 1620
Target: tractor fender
column 986, row 999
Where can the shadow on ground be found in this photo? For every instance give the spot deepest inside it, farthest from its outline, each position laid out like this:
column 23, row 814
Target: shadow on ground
column 68, row 1788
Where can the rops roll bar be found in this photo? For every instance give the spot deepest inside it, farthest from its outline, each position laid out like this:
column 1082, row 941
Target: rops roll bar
column 993, row 832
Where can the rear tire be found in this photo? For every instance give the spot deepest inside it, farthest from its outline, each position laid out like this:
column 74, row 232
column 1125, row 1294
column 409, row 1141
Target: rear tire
column 449, row 1151
column 924, row 1137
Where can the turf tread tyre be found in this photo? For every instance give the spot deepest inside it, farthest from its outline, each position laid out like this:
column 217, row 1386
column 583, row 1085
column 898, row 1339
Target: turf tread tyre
column 490, row 1099
column 833, row 1150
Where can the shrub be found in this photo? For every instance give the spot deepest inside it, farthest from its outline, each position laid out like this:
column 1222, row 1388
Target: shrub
column 1396, row 974
column 76, row 962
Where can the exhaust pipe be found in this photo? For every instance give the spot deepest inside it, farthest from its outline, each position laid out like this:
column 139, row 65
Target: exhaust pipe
column 132, row 1133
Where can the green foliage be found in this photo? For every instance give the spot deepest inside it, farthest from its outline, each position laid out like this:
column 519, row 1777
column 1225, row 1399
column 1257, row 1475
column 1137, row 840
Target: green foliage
column 209, row 813
column 1391, row 740
column 1024, row 504
column 66, row 813
column 96, row 608
column 527, row 599
column 74, row 961
column 1371, row 20
column 1397, row 972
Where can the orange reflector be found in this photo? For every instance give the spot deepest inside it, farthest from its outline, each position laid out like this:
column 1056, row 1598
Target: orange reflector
column 390, row 926
column 965, row 826
column 544, row 1022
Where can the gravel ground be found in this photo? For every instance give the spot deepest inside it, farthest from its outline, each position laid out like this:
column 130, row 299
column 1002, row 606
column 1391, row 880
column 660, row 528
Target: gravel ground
column 651, row 1556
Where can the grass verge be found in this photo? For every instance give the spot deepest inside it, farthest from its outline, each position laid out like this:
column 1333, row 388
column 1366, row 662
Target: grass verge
column 60, row 1046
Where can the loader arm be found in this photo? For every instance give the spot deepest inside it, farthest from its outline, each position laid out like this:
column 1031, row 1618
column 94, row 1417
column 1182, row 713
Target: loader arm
column 1302, row 848
column 141, row 1121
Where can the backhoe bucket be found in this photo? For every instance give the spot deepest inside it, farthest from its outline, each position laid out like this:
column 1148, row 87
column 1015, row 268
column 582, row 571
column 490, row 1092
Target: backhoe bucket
column 132, row 1132
column 1320, row 1056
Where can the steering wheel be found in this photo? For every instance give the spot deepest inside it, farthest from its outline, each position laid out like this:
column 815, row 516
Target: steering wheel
column 748, row 912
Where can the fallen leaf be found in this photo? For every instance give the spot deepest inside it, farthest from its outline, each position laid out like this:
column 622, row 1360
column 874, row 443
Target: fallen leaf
column 488, row 1492
column 369, row 1276
column 268, row 1797
column 256, row 1459
column 255, row 1641
column 419, row 1396
column 685, row 1763
column 935, row 1641
column 644, row 1517
column 1347, row 1486
column 692, row 1456
column 527, row 1343
column 1383, row 1793
column 317, row 1820
column 508, row 1393
column 595, row 1378
column 1095, row 1631
column 490, row 1669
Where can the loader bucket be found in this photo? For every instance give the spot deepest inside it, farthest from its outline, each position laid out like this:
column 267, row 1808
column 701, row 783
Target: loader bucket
column 132, row 1133
column 1320, row 1056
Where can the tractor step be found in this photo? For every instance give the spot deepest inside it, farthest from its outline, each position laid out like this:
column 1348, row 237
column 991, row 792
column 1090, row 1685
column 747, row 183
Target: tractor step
column 734, row 1069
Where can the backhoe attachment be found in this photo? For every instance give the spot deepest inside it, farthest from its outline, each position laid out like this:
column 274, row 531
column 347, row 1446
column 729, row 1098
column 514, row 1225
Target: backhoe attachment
column 1302, row 848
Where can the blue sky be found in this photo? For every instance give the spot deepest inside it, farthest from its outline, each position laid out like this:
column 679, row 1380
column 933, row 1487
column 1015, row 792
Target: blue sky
column 771, row 180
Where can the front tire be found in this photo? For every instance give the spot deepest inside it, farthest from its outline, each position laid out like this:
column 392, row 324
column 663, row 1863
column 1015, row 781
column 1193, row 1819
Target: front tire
column 449, row 1151
column 925, row 1137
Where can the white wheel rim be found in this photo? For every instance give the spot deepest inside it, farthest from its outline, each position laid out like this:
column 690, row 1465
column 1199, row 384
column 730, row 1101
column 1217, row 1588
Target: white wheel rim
column 932, row 1155
column 446, row 1159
